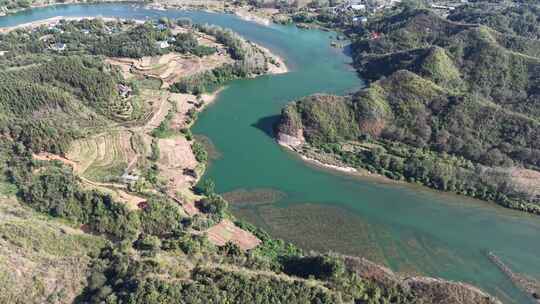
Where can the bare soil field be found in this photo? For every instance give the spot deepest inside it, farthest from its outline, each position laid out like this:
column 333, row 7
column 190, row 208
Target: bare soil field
column 525, row 180
column 226, row 231
column 175, row 157
column 173, row 66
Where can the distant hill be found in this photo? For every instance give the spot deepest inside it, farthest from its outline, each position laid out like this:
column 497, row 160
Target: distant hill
column 521, row 18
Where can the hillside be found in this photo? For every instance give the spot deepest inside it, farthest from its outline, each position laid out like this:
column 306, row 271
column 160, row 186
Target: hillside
column 451, row 105
column 519, row 19
column 99, row 201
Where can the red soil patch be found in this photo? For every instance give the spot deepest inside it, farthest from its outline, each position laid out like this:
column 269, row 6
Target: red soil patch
column 226, row 231
column 525, row 180
column 50, row 157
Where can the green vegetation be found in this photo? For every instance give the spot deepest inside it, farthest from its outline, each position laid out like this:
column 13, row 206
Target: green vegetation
column 161, row 217
column 249, row 60
column 97, row 37
column 58, row 229
column 121, row 277
column 521, row 20
column 454, row 108
column 164, row 129
column 200, row 152
column 234, row 43
column 209, row 81
column 36, row 250
column 154, row 146
column 54, row 190
column 37, row 100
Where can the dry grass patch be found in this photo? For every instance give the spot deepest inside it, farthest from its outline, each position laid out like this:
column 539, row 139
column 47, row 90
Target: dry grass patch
column 525, row 180
column 41, row 260
column 175, row 156
column 103, row 157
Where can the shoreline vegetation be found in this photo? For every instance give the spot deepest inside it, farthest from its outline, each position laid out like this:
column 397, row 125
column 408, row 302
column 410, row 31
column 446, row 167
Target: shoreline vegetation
column 278, row 65
column 145, row 245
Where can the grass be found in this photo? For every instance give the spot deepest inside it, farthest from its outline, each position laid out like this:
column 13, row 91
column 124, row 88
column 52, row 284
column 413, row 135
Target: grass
column 164, row 129
column 101, row 158
column 149, row 84
column 7, row 189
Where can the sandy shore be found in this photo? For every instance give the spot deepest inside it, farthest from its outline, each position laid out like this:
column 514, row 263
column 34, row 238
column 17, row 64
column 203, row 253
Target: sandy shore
column 364, row 174
column 318, row 162
column 280, row 67
column 248, row 16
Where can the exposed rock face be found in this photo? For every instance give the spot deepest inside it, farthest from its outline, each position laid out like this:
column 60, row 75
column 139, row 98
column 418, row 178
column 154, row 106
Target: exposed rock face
column 426, row 290
column 289, row 140
column 318, row 119
column 289, row 130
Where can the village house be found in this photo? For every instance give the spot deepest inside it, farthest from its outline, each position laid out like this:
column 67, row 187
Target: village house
column 59, row 47
column 162, row 44
column 128, row 178
column 358, row 7
column 124, row 90
column 358, row 20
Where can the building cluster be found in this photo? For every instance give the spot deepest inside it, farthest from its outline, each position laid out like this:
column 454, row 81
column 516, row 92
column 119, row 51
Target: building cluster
column 361, row 9
column 364, row 6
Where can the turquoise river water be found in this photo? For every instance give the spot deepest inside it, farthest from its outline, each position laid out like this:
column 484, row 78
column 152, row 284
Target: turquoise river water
column 406, row 227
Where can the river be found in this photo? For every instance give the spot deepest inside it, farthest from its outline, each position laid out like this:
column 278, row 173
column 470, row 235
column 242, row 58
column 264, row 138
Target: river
column 406, row 227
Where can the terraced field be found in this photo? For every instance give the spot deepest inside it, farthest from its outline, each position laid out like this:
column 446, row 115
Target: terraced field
column 102, row 158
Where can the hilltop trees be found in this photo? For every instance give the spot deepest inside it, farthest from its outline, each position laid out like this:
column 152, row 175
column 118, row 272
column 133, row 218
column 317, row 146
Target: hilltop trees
column 445, row 107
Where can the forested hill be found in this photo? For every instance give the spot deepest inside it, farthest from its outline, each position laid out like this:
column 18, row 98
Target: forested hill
column 452, row 105
column 520, row 19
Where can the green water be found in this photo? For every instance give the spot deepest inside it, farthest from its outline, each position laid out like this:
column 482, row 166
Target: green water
column 408, row 228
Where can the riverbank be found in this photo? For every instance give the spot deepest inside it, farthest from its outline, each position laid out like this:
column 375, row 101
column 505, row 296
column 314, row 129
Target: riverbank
column 261, row 16
column 276, row 64
column 317, row 160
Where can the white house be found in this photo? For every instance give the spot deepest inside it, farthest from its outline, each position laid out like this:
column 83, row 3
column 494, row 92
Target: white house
column 162, row 44
column 359, row 19
column 358, row 7
column 59, row 47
